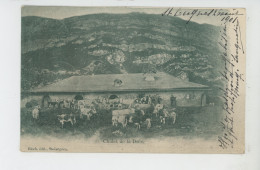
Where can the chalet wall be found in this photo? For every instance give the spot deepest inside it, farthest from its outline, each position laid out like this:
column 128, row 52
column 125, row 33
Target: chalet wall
column 183, row 98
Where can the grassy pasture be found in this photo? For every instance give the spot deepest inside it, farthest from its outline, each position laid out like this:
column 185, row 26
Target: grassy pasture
column 190, row 122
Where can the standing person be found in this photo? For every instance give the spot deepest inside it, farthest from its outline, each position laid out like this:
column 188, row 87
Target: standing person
column 36, row 113
column 173, row 101
column 159, row 100
column 149, row 100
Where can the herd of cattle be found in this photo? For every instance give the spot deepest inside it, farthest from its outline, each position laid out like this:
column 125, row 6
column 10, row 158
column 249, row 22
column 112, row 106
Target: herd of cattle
column 138, row 116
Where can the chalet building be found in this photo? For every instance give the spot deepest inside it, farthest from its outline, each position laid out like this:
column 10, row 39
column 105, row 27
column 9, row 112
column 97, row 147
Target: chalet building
column 172, row 91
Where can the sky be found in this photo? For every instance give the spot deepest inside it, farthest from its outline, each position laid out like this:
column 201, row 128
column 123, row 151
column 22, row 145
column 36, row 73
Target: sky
column 61, row 12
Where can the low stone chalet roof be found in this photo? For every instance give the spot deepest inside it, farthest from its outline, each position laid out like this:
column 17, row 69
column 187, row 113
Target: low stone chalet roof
column 130, row 83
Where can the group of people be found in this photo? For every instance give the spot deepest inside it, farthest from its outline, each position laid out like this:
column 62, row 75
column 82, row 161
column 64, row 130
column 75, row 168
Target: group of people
column 149, row 99
column 61, row 103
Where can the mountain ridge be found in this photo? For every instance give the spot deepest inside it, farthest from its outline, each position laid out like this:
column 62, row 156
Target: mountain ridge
column 117, row 43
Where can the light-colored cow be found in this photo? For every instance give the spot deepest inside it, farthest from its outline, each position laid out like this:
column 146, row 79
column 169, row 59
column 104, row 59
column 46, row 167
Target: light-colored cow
column 168, row 115
column 172, row 116
column 127, row 102
column 35, row 112
column 148, row 123
column 119, row 116
column 143, row 106
column 122, row 120
column 138, row 126
column 87, row 112
column 63, row 118
column 157, row 108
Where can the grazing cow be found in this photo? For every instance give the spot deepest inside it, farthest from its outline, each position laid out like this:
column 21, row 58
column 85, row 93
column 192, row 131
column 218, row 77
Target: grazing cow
column 148, row 124
column 138, row 126
column 120, row 116
column 157, row 108
column 143, row 106
column 138, row 118
column 35, row 112
column 130, row 119
column 122, row 120
column 172, row 116
column 167, row 115
column 133, row 120
column 162, row 120
column 63, row 118
column 87, row 112
column 123, row 111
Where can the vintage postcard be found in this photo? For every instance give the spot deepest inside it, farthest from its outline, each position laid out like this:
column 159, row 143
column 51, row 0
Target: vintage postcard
column 133, row 79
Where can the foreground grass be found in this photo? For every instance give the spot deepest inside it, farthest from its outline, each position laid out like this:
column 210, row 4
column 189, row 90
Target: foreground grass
column 202, row 123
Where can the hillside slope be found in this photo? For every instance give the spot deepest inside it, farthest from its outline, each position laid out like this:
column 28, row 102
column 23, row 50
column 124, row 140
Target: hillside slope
column 117, row 43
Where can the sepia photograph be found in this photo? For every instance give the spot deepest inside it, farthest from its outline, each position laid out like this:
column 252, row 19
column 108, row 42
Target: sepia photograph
column 132, row 79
